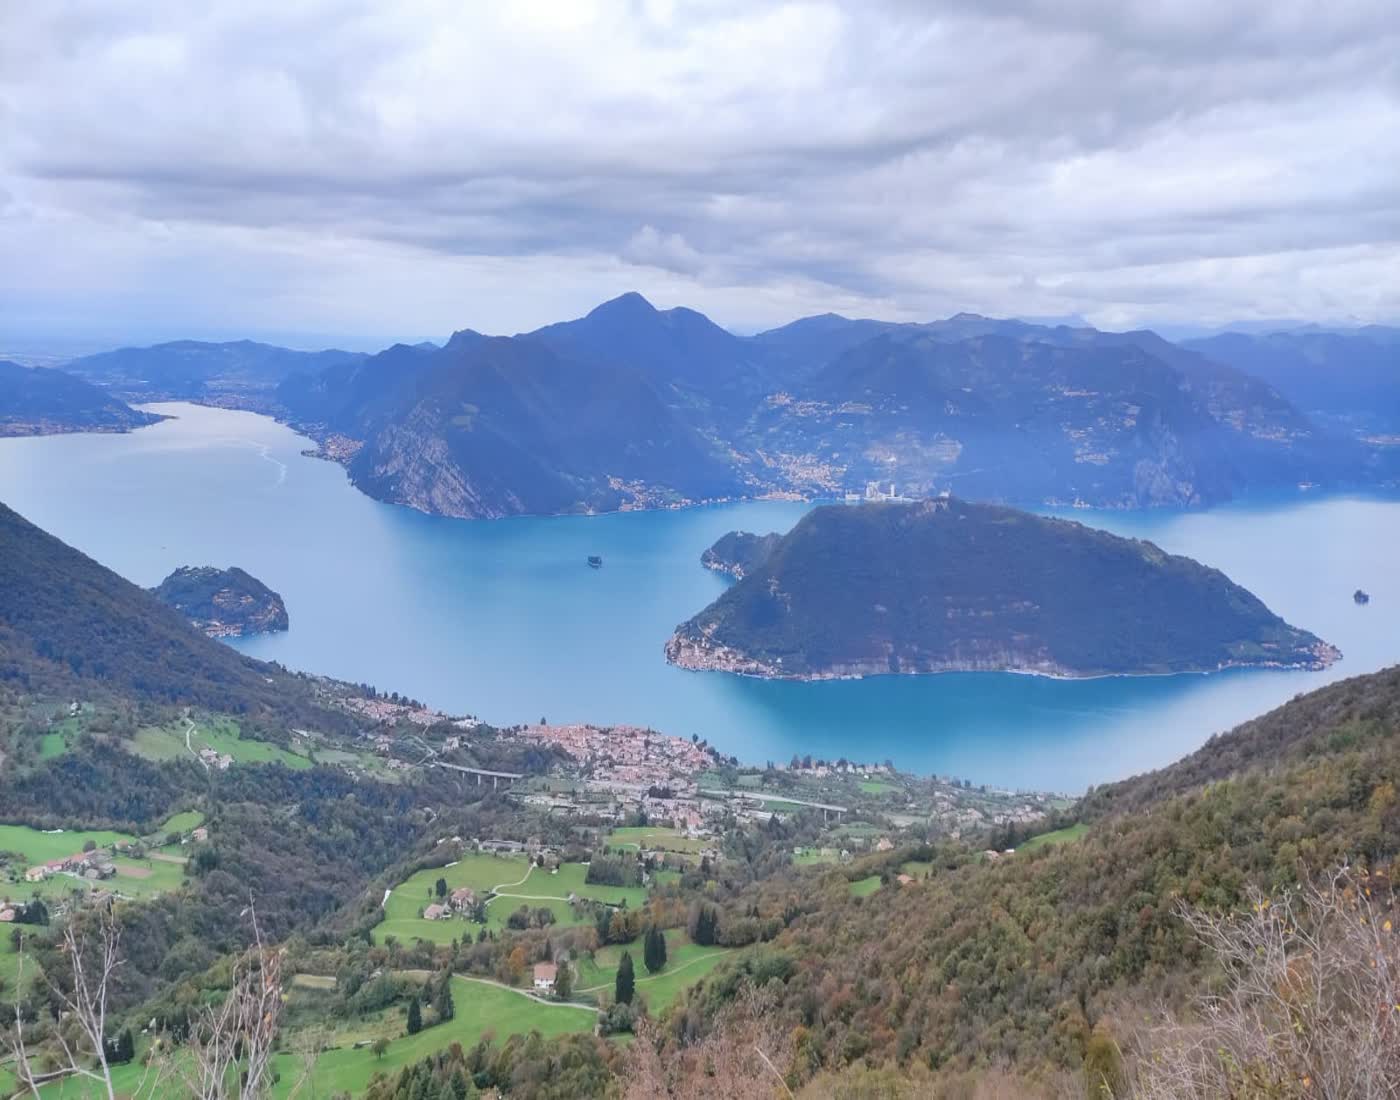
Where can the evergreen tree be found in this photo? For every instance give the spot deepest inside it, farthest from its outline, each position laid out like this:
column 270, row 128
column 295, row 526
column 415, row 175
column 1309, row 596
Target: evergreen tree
column 654, row 950
column 441, row 887
column 564, row 982
column 443, row 1002
column 625, row 985
column 415, row 1017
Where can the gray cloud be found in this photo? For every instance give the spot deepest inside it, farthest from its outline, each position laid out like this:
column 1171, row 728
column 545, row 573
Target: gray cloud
column 401, row 170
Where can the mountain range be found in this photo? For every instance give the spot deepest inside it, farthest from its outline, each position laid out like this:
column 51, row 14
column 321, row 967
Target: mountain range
column 632, row 407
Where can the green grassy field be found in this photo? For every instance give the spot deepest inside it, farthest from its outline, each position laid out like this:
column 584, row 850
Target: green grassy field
column 1060, row 836
column 181, row 823
column 863, row 888
column 219, row 734
column 686, row 964
column 812, row 857
column 916, row 868
column 875, row 786
column 667, row 840
column 135, row 878
column 39, row 847
column 482, row 872
column 480, row 1008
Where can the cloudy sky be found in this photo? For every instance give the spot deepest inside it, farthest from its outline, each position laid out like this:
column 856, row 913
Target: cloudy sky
column 361, row 172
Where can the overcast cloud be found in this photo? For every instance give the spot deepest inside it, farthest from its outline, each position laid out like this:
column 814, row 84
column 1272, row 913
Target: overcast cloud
column 374, row 171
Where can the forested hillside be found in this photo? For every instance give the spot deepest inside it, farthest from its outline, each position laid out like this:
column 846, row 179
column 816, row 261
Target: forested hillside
column 68, row 624
column 1035, row 960
column 949, row 585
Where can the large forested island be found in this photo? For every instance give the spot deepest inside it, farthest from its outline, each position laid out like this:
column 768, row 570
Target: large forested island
column 946, row 585
column 224, row 603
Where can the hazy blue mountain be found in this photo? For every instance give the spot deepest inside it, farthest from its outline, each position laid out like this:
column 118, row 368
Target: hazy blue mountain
column 1351, row 374
column 495, row 426
column 1002, row 416
column 946, row 585
column 631, row 406
column 674, row 347
column 42, row 400
column 797, row 350
column 198, row 370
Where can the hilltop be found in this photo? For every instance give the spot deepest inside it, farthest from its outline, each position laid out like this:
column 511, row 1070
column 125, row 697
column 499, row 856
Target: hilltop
column 947, row 585
column 223, row 602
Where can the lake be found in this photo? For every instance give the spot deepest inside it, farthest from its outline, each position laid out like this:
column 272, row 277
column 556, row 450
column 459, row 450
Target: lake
column 505, row 620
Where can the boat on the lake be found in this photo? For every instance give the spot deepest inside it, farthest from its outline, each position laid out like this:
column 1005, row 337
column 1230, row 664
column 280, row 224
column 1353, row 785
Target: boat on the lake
column 1361, row 596
column 595, row 562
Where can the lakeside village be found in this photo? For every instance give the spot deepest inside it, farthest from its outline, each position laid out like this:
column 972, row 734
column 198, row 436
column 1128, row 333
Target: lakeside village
column 627, row 775
column 667, row 799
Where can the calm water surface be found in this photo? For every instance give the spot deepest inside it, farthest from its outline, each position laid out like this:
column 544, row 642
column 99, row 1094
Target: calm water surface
column 505, row 620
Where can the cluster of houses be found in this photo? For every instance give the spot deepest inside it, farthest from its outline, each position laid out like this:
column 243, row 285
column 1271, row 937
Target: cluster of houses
column 212, row 759
column 94, row 866
column 459, row 903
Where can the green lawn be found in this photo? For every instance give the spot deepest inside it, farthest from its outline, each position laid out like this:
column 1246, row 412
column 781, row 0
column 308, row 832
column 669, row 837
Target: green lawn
column 667, row 840
column 480, row 1008
column 482, row 872
column 876, row 786
column 863, row 888
column 1059, row 836
column 686, row 964
column 813, row 856
column 181, row 823
column 219, row 734
column 917, row 868
column 40, row 847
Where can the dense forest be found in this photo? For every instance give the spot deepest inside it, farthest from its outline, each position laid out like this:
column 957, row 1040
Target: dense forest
column 67, row 623
column 948, row 585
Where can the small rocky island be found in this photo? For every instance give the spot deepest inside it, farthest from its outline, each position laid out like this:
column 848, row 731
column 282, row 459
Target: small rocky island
column 224, row 603
column 946, row 585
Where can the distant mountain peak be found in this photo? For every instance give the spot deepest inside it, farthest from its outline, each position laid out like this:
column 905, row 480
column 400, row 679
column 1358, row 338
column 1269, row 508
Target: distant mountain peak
column 630, row 304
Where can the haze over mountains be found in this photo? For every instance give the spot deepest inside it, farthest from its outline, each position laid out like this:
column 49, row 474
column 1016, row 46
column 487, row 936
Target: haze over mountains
column 631, row 406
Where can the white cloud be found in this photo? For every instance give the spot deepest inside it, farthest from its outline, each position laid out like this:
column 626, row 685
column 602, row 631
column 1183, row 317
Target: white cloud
column 385, row 171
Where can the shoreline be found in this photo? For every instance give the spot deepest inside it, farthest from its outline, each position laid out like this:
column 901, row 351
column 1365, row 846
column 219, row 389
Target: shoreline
column 1331, row 653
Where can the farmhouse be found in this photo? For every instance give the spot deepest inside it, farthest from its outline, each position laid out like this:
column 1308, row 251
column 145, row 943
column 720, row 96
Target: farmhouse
column 545, row 973
column 464, row 897
column 436, row 912
column 36, row 874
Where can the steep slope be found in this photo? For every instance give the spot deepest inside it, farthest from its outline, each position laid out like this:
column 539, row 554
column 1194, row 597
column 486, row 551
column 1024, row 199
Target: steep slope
column 70, row 625
column 202, row 371
column 39, row 401
column 1029, row 960
column 1115, row 422
column 1352, row 374
column 497, row 426
column 947, row 585
column 224, row 603
column 739, row 552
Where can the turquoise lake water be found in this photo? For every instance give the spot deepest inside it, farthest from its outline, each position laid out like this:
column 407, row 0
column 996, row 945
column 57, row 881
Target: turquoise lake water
column 505, row 620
